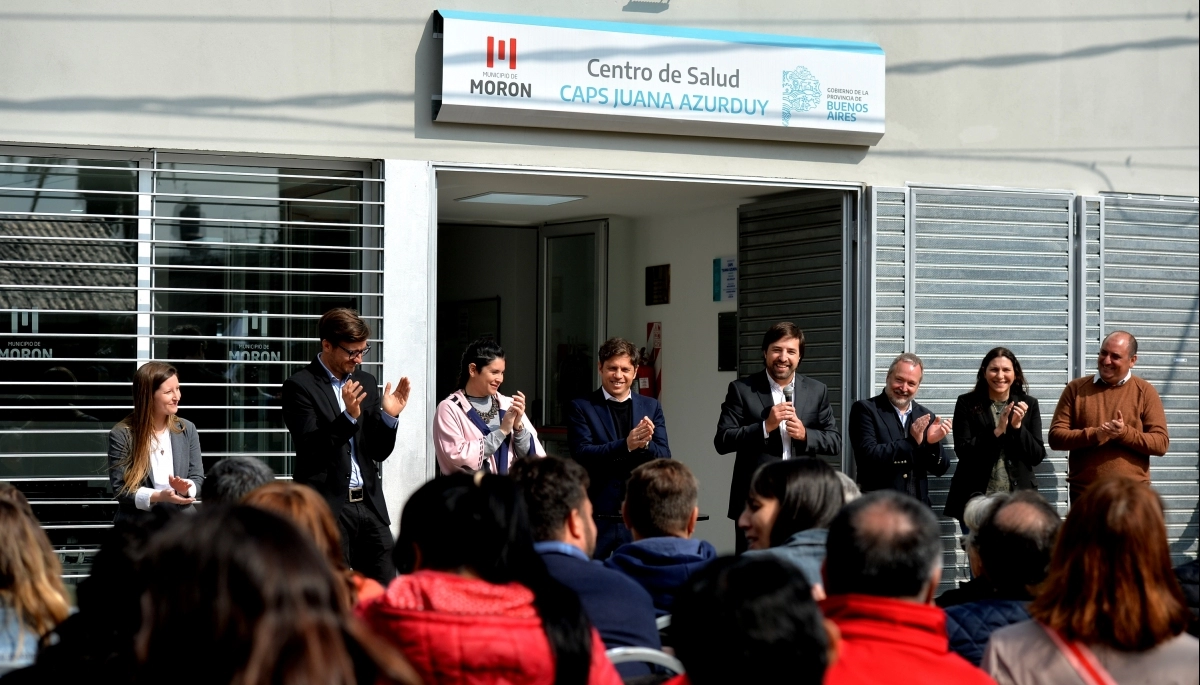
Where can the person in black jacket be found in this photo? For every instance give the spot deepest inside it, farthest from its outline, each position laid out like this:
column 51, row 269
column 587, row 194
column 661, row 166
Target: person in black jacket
column 774, row 414
column 897, row 442
column 342, row 426
column 997, row 434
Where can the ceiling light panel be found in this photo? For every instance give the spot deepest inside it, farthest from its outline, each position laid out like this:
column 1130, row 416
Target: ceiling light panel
column 527, row 199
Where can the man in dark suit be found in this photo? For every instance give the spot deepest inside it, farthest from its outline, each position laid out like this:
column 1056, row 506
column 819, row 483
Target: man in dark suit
column 560, row 516
column 897, row 442
column 341, row 428
column 774, row 414
column 611, row 432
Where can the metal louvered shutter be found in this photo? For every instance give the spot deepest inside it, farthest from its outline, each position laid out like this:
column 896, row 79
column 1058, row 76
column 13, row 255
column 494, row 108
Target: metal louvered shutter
column 990, row 268
column 793, row 266
column 1150, row 251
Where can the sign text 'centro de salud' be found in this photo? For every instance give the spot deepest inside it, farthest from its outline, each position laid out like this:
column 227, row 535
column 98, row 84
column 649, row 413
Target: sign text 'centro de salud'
column 565, row 73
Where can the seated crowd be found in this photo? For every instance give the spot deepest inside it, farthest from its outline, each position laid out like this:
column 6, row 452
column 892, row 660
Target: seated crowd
column 497, row 584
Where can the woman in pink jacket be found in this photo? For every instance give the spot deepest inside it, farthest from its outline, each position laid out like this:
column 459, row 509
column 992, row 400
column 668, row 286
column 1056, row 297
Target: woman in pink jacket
column 476, row 428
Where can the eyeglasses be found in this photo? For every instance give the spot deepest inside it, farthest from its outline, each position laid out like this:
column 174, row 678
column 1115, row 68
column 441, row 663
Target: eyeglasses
column 355, row 353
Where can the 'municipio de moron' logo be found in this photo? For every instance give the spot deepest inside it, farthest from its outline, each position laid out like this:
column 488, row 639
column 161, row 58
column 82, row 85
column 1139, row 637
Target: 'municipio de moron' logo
column 495, row 50
column 801, row 92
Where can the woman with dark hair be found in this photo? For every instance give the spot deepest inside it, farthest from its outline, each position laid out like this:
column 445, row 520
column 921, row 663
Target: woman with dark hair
column 310, row 512
column 475, row 602
column 32, row 598
column 997, row 434
column 249, row 593
column 476, row 428
column 1110, row 609
column 152, row 450
column 787, row 512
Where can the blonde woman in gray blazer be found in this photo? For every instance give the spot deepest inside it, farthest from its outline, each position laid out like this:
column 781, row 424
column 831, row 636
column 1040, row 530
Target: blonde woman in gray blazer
column 153, row 455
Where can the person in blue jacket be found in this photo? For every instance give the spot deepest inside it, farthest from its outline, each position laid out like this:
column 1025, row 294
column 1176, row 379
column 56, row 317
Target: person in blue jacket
column 560, row 516
column 611, row 432
column 660, row 510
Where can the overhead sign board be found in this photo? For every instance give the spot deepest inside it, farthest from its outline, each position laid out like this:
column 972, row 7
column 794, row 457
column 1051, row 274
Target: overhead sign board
column 564, row 73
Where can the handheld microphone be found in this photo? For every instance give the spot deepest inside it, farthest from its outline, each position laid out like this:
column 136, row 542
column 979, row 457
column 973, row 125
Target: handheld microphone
column 787, row 393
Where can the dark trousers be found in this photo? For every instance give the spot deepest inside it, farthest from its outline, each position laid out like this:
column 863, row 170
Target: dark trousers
column 610, row 534
column 739, row 539
column 366, row 542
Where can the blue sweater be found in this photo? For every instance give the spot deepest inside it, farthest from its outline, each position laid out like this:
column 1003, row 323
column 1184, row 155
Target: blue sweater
column 805, row 550
column 662, row 565
column 619, row 608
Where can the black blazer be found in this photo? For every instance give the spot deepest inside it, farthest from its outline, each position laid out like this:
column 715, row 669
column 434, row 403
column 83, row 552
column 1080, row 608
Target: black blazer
column 594, row 443
column 185, row 462
column 886, row 454
column 322, row 433
column 977, row 448
column 740, row 429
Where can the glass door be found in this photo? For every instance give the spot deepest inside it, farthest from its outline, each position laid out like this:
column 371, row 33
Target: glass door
column 572, row 288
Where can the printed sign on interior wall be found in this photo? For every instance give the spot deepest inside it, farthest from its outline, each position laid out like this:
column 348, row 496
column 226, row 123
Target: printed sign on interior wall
column 725, row 279
column 650, row 371
column 567, row 73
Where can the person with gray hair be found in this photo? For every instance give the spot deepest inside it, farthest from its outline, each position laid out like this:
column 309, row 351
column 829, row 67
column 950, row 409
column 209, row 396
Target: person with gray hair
column 883, row 564
column 897, row 442
column 233, row 478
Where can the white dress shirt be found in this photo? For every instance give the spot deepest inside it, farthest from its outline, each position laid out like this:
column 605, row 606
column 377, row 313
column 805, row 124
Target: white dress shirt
column 388, row 420
column 1098, row 380
column 628, row 395
column 162, row 467
column 903, row 414
column 777, row 397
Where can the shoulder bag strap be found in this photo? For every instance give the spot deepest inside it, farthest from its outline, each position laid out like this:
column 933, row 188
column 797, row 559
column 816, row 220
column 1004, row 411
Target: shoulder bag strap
column 1082, row 659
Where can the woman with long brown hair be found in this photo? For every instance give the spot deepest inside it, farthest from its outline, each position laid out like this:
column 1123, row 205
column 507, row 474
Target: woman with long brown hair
column 307, row 509
column 153, row 455
column 32, row 597
column 1110, row 609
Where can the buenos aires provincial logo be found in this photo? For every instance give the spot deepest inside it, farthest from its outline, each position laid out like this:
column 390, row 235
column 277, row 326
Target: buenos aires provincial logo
column 801, row 92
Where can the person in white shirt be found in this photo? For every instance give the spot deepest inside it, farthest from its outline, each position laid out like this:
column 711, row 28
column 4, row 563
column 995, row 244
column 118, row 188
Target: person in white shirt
column 153, row 455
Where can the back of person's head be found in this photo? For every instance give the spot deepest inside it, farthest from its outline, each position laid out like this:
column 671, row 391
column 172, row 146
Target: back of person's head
column 553, row 488
column 749, row 620
column 1110, row 580
column 11, row 494
column 232, row 478
column 309, row 511
column 249, row 591
column 661, row 498
column 30, row 573
column 808, row 491
column 850, row 489
column 1014, row 542
column 479, row 522
column 884, row 543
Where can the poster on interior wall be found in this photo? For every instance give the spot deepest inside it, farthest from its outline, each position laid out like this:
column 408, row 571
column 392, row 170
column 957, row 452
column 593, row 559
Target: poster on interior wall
column 649, row 374
column 510, row 70
column 725, row 279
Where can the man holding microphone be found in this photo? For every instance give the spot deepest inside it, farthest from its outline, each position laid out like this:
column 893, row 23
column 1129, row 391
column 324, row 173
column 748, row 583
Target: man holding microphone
column 774, row 414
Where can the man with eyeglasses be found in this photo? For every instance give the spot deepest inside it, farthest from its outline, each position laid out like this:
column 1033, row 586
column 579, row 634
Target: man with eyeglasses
column 342, row 427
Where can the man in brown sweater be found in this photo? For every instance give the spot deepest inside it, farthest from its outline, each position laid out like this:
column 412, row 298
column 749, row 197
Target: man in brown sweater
column 1112, row 422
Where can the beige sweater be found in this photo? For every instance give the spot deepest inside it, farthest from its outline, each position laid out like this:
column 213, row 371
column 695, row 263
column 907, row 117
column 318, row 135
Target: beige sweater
column 1022, row 654
column 1085, row 405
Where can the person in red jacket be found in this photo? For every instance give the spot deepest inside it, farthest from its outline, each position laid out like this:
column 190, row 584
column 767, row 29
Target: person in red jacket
column 474, row 604
column 883, row 562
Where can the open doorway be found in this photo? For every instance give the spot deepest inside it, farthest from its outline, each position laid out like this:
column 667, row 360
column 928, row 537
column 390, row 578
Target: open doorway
column 551, row 265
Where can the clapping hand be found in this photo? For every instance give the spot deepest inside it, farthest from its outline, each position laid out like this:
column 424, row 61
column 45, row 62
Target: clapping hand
column 917, row 429
column 353, row 395
column 170, row 495
column 1114, row 428
column 641, row 435
column 394, row 402
column 517, row 410
column 939, row 429
column 1002, row 421
column 1018, row 414
column 179, row 485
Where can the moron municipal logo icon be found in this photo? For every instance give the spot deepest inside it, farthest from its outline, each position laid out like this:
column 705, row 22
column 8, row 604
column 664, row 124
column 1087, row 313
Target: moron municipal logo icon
column 495, row 51
column 801, row 92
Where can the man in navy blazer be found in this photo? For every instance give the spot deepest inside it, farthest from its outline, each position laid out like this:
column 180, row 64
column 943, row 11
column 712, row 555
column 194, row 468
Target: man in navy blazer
column 897, row 442
column 560, row 516
column 611, row 432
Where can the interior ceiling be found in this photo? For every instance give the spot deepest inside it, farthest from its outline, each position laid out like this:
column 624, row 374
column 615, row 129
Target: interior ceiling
column 605, row 197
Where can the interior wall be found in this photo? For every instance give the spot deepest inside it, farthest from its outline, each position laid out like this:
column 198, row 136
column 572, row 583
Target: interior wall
column 477, row 262
column 692, row 387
